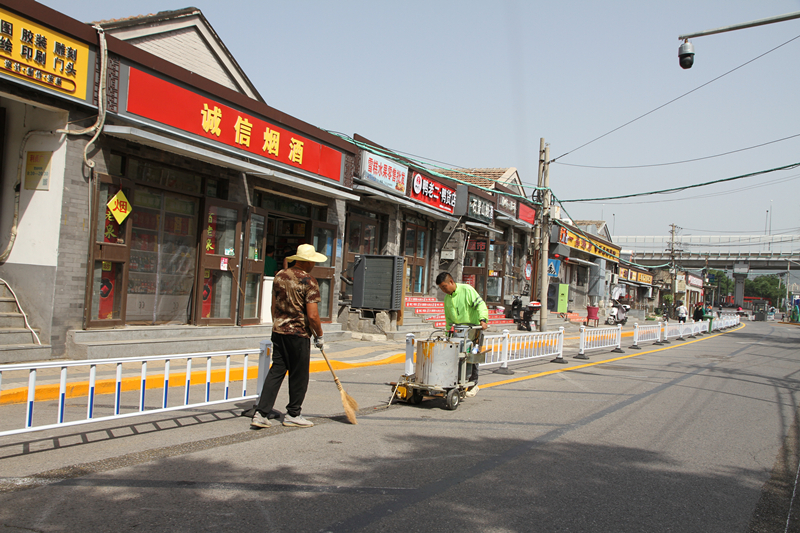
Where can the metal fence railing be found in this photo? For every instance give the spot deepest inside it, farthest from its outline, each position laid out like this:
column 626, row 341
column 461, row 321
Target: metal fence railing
column 651, row 333
column 500, row 349
column 599, row 338
column 125, row 376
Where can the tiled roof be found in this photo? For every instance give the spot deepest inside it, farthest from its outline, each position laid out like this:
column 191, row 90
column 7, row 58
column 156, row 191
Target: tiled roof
column 133, row 20
column 484, row 177
column 598, row 223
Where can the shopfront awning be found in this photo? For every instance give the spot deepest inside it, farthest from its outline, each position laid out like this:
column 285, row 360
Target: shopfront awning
column 482, row 227
column 372, row 191
column 634, row 283
column 306, row 181
column 582, row 262
column 513, row 221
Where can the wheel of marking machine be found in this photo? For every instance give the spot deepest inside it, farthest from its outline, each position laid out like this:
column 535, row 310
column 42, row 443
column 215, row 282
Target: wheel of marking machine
column 416, row 397
column 452, row 399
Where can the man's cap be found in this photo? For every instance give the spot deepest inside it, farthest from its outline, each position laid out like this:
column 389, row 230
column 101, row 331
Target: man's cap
column 306, row 252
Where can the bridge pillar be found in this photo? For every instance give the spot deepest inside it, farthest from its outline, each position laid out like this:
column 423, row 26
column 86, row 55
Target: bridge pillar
column 740, row 271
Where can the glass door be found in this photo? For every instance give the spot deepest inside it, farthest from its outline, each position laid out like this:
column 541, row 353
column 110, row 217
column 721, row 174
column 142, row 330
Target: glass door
column 323, row 237
column 105, row 301
column 475, row 265
column 495, row 275
column 219, row 283
column 416, row 254
column 253, row 267
column 163, row 257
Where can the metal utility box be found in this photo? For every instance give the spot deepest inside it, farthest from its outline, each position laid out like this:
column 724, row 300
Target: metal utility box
column 378, row 282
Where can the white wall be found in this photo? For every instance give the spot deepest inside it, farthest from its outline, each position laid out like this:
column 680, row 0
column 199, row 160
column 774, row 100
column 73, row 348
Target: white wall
column 39, row 211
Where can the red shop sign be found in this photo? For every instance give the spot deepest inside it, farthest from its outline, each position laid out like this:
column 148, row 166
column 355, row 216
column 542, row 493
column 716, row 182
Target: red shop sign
column 164, row 102
column 433, row 193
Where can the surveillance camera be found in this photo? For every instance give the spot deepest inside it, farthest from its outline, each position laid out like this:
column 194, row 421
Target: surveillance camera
column 686, row 55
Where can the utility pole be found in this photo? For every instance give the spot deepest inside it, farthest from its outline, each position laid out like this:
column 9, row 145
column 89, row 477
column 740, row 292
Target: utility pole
column 672, row 262
column 544, row 230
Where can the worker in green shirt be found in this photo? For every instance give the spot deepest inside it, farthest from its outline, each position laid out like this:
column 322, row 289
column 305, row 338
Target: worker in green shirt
column 463, row 305
column 270, row 265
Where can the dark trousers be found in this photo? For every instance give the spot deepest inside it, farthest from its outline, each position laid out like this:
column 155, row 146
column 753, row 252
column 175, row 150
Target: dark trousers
column 472, row 373
column 291, row 354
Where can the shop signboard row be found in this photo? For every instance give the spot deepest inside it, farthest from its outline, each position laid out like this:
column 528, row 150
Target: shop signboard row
column 636, row 276
column 164, row 102
column 32, row 52
column 588, row 245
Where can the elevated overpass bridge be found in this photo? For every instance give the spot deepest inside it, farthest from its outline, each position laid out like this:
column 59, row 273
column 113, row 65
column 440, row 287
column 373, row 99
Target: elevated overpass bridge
column 720, row 252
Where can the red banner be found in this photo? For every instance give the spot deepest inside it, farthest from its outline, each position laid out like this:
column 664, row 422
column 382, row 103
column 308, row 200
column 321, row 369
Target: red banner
column 432, row 193
column 526, row 214
column 164, row 102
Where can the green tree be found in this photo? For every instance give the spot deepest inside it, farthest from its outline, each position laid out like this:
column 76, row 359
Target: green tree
column 768, row 287
column 721, row 279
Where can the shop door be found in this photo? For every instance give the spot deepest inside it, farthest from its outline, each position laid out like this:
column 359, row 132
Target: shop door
column 496, row 273
column 219, row 280
column 323, row 237
column 163, row 247
column 416, row 254
column 105, row 300
column 362, row 238
column 475, row 265
column 255, row 236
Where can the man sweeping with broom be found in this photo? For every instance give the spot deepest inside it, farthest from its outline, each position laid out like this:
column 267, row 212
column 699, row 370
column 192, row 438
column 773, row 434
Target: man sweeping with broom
column 295, row 316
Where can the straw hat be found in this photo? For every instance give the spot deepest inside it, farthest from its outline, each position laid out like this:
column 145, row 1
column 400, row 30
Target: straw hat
column 306, row 252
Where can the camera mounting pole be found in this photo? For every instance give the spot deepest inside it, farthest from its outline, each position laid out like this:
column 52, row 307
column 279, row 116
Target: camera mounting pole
column 743, row 25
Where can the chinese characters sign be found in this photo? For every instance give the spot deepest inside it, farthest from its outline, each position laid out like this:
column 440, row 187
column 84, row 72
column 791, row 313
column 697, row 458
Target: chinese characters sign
column 480, row 209
column 37, row 171
column 39, row 55
column 506, row 204
column 383, row 172
column 590, row 246
column 433, row 193
column 164, row 102
column 633, row 275
column 694, row 281
column 119, row 206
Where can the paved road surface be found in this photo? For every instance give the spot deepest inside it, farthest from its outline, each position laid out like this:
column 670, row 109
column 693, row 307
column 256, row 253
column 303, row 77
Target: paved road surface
column 699, row 436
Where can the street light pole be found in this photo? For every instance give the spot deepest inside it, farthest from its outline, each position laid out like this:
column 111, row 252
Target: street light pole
column 742, row 25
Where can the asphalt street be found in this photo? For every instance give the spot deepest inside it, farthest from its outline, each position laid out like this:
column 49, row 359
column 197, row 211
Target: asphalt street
column 699, row 435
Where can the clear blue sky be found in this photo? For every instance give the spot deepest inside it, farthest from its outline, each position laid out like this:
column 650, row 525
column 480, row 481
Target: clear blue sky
column 476, row 84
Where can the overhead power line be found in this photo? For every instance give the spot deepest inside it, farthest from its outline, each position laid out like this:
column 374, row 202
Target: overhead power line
column 673, row 100
column 685, row 160
column 685, row 187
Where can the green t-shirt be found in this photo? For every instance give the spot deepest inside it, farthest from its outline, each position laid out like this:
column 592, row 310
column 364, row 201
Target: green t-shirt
column 270, row 266
column 464, row 306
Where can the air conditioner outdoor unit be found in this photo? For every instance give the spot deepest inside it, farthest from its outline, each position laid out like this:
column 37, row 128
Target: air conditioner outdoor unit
column 378, row 282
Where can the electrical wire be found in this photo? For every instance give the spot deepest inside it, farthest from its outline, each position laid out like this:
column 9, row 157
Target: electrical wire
column 685, row 160
column 674, row 99
column 685, row 187
column 709, row 195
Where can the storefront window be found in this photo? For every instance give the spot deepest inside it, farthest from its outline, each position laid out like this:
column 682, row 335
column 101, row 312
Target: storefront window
column 252, row 288
column 411, row 238
column 217, row 288
column 494, row 288
column 221, row 231
column 323, row 243
column 476, row 254
column 162, row 257
column 107, row 299
column 108, row 230
column 254, row 250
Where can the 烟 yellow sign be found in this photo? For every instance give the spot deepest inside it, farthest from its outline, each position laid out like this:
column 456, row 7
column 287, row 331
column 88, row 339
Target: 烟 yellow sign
column 119, row 206
column 36, row 54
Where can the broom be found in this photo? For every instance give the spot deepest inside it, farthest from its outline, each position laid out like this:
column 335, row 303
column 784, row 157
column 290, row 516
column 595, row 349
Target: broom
column 348, row 402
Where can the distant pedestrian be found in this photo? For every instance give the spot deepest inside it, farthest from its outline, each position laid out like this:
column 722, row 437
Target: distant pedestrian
column 270, row 264
column 682, row 312
column 295, row 317
column 697, row 316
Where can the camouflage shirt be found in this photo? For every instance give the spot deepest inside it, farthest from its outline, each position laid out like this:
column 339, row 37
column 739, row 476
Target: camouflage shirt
column 292, row 289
